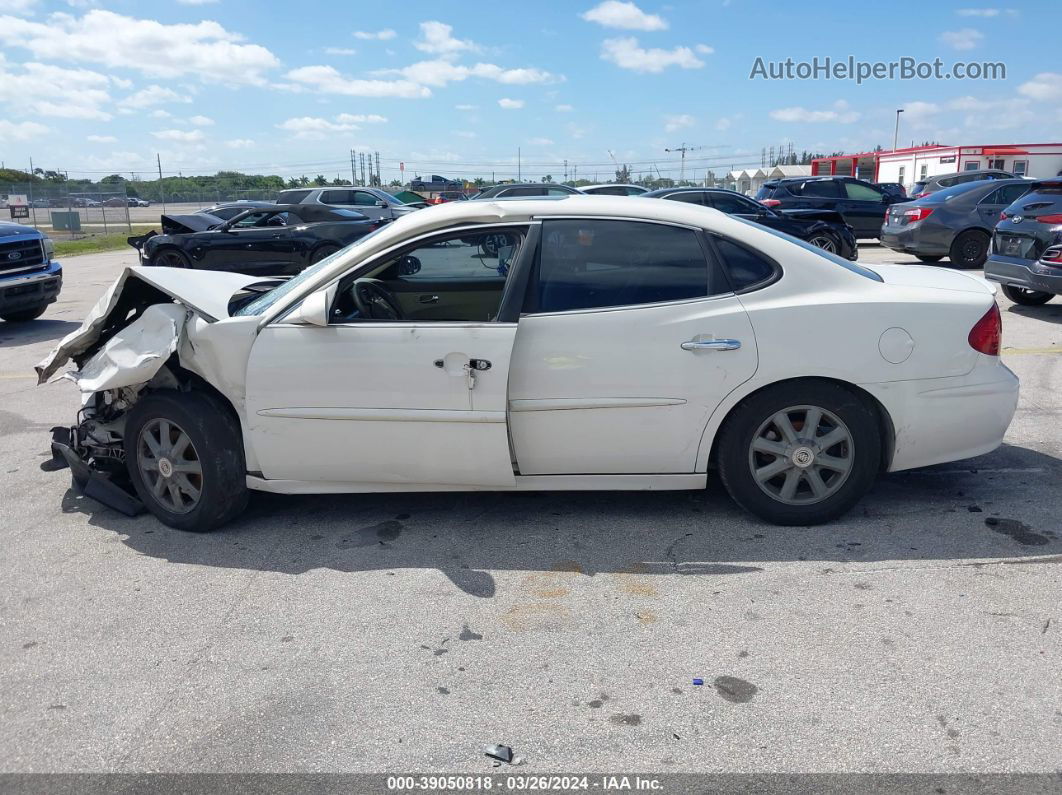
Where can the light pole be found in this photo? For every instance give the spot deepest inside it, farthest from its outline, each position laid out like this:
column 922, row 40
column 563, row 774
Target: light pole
column 896, row 134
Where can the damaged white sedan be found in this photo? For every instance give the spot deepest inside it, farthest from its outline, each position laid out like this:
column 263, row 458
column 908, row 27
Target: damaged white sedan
column 581, row 343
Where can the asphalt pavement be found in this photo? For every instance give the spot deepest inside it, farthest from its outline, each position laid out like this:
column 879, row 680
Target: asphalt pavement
column 403, row 632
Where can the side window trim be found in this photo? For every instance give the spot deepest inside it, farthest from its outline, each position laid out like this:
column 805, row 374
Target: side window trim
column 776, row 269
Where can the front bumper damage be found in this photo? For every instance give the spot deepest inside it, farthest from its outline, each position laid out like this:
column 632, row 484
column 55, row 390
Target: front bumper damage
column 128, row 344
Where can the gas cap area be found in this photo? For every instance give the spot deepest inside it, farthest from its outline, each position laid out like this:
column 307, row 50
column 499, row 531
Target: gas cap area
column 895, row 345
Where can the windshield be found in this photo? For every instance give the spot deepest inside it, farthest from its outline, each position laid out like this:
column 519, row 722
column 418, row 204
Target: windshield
column 854, row 267
column 266, row 300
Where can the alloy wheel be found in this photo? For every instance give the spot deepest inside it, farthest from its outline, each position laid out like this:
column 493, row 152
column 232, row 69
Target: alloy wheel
column 801, row 455
column 825, row 242
column 170, row 465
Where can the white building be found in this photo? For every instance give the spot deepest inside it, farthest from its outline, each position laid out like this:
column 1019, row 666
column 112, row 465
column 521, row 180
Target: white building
column 750, row 180
column 915, row 163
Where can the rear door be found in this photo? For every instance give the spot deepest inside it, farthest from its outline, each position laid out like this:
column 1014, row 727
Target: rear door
column 629, row 341
column 864, row 208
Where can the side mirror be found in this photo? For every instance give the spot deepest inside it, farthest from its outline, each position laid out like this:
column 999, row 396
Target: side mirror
column 314, row 309
column 408, row 265
column 381, row 203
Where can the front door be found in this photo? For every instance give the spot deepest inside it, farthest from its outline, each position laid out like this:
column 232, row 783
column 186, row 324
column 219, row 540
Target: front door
column 629, row 343
column 261, row 242
column 408, row 400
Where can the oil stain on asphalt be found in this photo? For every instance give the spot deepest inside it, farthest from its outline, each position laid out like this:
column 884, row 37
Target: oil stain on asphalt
column 1019, row 531
column 373, row 534
column 734, row 690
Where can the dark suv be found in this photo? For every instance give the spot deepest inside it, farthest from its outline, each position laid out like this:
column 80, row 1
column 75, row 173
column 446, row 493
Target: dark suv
column 860, row 204
column 943, row 181
column 1026, row 255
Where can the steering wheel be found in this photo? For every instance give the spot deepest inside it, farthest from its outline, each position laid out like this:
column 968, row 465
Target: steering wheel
column 374, row 300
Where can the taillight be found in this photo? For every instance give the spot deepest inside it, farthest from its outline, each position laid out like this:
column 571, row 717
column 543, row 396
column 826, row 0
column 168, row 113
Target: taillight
column 770, row 202
column 1050, row 219
column 917, row 214
column 919, row 195
column 986, row 333
column 1052, row 256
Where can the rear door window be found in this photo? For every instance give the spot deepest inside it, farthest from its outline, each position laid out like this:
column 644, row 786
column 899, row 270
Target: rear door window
column 863, row 193
column 292, row 196
column 336, row 197
column 591, row 263
column 817, row 188
column 690, row 197
column 735, row 205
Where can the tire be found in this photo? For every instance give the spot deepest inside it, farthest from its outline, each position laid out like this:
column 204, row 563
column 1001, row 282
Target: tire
column 24, row 315
column 854, row 459
column 969, row 249
column 1020, row 295
column 322, row 252
column 827, row 241
column 930, row 258
column 170, row 258
column 215, row 447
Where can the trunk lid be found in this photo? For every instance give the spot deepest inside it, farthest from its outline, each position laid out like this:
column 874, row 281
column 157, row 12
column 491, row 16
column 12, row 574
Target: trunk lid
column 930, row 278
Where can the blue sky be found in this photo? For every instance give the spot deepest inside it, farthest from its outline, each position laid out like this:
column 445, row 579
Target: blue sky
column 456, row 87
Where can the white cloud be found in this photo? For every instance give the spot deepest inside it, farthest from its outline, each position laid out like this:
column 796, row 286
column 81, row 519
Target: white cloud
column 205, row 48
column 47, row 90
column 181, row 136
column 441, row 71
column 20, row 131
column 240, row 143
column 19, row 6
column 539, row 142
column 328, row 80
column 986, row 12
column 161, row 114
column 102, row 139
column 704, row 49
column 379, row 35
column 510, row 104
column 839, row 113
column 465, row 107
column 614, row 14
column 965, row 39
column 340, row 51
column 317, row 128
column 152, row 95
column 626, row 54
column 1044, row 87
column 201, row 121
column 563, row 108
column 678, row 122
column 724, row 124
column 437, row 39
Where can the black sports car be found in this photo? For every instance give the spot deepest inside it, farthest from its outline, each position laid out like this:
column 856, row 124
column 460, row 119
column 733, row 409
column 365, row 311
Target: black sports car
column 823, row 228
column 278, row 240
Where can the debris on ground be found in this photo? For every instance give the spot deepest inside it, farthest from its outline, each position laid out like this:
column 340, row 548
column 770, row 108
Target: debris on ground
column 502, row 752
column 698, row 682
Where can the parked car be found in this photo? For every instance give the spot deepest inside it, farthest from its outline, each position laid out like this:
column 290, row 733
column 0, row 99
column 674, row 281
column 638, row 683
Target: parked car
column 30, row 279
column 924, row 187
column 862, row 205
column 133, row 201
column 116, row 201
column 955, row 222
column 280, row 239
column 1026, row 255
column 892, row 188
column 611, row 343
column 825, row 229
column 614, row 189
column 229, row 210
column 379, row 205
column 526, row 190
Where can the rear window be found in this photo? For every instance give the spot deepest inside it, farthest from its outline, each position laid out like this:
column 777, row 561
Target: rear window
column 854, row 267
column 818, row 188
column 292, row 196
column 917, row 188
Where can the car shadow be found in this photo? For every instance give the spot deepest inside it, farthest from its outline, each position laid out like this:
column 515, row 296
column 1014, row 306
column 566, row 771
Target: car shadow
column 33, row 331
column 937, row 513
column 1051, row 312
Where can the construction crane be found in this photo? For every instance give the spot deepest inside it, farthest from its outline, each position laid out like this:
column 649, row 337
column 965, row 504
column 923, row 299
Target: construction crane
column 614, row 162
column 684, row 149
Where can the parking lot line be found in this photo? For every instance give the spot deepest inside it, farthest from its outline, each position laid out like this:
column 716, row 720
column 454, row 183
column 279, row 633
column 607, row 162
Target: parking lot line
column 1031, row 351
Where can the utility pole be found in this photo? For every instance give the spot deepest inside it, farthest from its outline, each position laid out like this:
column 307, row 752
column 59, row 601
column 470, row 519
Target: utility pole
column 33, row 210
column 162, row 187
column 566, row 169
column 896, row 133
column 361, row 165
column 353, row 176
column 683, row 149
column 519, row 171
column 379, row 180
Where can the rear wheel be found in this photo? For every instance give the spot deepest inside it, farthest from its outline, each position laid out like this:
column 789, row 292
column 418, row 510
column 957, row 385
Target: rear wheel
column 1021, row 295
column 23, row 315
column 969, row 249
column 800, row 453
column 170, row 258
column 827, row 241
column 930, row 258
column 322, row 252
column 184, row 454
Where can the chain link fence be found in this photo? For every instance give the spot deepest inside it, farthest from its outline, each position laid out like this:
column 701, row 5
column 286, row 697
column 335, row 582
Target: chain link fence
column 66, row 214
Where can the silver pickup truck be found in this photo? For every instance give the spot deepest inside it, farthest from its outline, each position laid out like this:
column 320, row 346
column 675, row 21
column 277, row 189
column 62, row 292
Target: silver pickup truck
column 29, row 278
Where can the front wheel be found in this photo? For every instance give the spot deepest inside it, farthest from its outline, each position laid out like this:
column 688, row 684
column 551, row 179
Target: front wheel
column 322, row 252
column 969, row 249
column 184, row 454
column 170, row 258
column 801, row 453
column 1021, row 295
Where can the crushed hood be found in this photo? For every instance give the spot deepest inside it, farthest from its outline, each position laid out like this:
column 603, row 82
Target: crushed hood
column 205, row 293
column 183, row 224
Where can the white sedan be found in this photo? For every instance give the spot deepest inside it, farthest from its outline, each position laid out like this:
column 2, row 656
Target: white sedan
column 581, row 343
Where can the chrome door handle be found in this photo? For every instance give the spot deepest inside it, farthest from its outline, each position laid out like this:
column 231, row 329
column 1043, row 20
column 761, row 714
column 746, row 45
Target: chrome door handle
column 711, row 345
column 428, row 299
